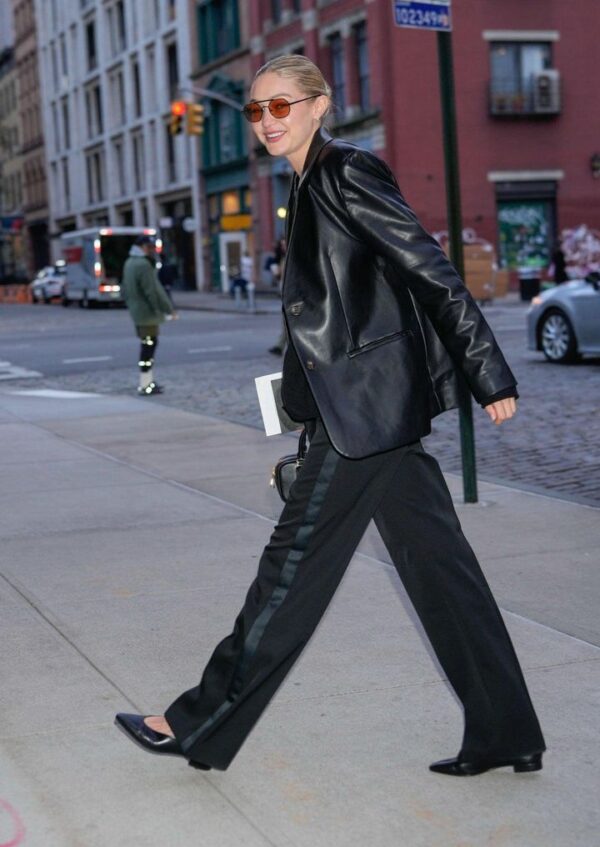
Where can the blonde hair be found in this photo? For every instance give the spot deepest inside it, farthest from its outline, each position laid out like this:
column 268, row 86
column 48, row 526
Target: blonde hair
column 305, row 73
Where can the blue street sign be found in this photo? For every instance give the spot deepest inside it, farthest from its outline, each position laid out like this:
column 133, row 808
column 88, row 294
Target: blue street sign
column 423, row 14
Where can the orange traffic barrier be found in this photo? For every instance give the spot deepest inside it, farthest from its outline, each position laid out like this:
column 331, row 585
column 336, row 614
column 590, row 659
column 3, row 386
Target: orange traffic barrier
column 15, row 293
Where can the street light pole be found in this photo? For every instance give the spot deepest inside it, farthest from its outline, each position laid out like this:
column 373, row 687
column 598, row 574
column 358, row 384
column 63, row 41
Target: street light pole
column 448, row 101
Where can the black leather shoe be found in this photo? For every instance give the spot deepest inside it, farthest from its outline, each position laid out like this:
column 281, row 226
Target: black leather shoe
column 136, row 728
column 462, row 767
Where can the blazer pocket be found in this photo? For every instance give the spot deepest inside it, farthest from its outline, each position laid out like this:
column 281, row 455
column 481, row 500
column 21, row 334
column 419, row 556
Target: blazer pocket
column 379, row 342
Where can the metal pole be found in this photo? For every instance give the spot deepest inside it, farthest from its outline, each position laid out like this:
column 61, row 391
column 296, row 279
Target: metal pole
column 467, row 433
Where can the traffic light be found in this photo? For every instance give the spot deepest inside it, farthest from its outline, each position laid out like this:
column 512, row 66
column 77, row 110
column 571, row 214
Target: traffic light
column 178, row 110
column 194, row 123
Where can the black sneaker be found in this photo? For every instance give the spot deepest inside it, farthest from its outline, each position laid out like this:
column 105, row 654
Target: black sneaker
column 153, row 388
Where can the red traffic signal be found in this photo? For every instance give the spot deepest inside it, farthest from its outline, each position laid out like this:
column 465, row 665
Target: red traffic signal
column 178, row 110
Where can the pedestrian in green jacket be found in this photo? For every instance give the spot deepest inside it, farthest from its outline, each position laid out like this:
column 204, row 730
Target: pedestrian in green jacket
column 148, row 305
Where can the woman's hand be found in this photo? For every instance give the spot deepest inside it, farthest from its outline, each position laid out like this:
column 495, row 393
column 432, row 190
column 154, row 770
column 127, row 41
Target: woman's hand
column 502, row 410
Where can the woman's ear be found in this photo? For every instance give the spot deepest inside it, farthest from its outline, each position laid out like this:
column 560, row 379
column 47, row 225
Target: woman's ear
column 321, row 104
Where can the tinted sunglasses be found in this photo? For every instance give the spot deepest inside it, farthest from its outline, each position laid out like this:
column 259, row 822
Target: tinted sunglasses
column 279, row 107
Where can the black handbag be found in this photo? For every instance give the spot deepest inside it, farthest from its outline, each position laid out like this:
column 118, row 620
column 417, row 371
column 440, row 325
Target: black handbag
column 285, row 471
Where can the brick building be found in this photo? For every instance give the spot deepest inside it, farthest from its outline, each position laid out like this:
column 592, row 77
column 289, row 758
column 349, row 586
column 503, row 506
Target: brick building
column 528, row 130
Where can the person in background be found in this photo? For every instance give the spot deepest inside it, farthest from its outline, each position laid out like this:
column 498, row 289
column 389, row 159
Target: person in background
column 148, row 306
column 247, row 268
column 279, row 262
column 237, row 283
column 560, row 264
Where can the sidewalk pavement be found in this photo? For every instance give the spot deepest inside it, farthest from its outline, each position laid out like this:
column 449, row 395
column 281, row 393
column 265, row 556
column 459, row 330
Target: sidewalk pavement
column 130, row 532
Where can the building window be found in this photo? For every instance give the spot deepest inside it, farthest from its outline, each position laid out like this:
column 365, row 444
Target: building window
column 362, row 65
column 338, row 78
column 151, row 17
column 54, row 127
column 137, row 88
column 276, row 11
column 119, row 165
column 297, row 6
column 227, row 133
column 66, row 185
column 121, row 27
column 230, row 202
column 54, row 183
column 171, row 10
column 153, row 145
column 93, row 104
column 514, row 66
column 172, row 71
column 150, row 80
column 117, row 93
column 139, row 166
column 115, row 16
column 63, row 55
column 54, row 61
column 171, row 159
column 95, row 176
column 218, row 28
column 224, row 138
column 90, row 43
column 65, row 123
column 133, row 22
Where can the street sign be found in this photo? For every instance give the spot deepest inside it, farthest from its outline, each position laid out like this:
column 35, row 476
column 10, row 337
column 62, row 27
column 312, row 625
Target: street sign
column 423, row 14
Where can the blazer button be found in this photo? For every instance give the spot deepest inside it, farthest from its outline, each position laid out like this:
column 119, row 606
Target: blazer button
column 296, row 309
column 310, row 365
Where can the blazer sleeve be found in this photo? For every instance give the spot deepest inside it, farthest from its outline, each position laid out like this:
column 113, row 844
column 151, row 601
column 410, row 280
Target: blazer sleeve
column 380, row 217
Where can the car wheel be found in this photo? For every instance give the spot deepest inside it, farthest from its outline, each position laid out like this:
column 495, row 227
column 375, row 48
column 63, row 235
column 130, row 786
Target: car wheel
column 557, row 339
column 34, row 298
column 65, row 301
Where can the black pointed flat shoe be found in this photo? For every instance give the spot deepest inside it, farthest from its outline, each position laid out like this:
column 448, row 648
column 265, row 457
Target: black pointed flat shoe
column 462, row 767
column 136, row 728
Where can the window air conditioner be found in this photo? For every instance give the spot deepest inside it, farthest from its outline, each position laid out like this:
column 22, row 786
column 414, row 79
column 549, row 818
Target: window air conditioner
column 546, row 92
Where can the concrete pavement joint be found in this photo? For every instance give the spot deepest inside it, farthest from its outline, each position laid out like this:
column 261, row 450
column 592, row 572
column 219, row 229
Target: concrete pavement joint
column 56, row 629
column 551, row 629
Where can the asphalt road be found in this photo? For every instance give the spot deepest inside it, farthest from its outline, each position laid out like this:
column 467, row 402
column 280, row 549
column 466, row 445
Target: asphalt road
column 59, row 342
column 208, row 361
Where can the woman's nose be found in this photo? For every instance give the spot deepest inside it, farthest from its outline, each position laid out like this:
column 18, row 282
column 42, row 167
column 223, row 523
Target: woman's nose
column 267, row 118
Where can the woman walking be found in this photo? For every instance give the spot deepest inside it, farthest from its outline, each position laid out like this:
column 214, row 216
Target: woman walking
column 379, row 323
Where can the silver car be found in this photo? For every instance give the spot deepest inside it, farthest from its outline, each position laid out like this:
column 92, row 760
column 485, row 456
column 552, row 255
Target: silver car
column 564, row 322
column 48, row 283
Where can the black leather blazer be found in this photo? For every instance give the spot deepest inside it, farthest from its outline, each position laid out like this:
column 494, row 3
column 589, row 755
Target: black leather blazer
column 377, row 314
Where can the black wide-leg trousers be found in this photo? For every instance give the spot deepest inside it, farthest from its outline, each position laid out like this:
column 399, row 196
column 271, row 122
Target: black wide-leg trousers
column 330, row 506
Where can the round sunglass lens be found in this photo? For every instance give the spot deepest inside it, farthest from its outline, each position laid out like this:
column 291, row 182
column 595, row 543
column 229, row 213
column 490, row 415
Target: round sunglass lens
column 252, row 112
column 279, row 108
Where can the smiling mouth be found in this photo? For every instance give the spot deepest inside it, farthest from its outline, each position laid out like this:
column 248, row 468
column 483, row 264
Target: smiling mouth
column 274, row 136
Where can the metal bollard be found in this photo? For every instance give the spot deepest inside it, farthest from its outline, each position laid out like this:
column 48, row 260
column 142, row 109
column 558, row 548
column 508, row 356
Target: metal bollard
column 237, row 293
column 251, row 299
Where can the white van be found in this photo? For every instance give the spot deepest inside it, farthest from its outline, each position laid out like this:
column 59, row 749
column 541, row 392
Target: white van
column 94, row 260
